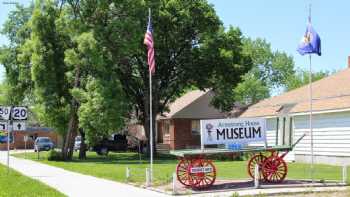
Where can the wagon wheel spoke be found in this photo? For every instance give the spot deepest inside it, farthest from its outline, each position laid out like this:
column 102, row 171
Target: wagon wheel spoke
column 182, row 172
column 255, row 160
column 274, row 169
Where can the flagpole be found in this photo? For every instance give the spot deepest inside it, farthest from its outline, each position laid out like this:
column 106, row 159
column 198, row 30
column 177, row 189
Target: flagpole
column 310, row 124
column 151, row 116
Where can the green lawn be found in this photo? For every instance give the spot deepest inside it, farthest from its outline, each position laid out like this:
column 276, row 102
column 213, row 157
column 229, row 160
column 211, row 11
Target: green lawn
column 113, row 167
column 15, row 184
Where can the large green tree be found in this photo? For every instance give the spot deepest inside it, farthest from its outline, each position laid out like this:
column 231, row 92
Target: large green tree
column 46, row 50
column 62, row 71
column 102, row 104
column 271, row 70
column 72, row 75
column 191, row 49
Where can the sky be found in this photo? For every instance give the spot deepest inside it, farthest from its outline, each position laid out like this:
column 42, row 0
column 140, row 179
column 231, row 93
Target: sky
column 281, row 23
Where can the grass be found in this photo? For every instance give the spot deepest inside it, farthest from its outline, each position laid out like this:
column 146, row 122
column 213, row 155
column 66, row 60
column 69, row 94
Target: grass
column 114, row 166
column 15, row 184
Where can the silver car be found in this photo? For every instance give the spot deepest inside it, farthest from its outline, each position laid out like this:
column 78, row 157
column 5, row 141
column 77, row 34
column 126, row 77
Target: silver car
column 77, row 143
column 43, row 143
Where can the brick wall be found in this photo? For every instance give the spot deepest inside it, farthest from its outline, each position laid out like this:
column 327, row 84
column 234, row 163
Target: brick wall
column 181, row 135
column 164, row 137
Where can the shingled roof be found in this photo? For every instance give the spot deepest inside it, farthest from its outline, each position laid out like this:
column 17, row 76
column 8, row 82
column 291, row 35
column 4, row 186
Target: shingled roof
column 330, row 93
column 195, row 105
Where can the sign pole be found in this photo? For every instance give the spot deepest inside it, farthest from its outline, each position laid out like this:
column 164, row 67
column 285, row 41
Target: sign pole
column 9, row 130
column 25, row 146
column 8, row 149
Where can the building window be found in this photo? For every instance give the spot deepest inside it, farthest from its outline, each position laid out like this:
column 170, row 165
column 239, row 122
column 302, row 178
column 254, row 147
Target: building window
column 195, row 127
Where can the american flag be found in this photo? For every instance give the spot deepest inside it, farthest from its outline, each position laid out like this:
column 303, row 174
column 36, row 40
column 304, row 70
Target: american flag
column 148, row 41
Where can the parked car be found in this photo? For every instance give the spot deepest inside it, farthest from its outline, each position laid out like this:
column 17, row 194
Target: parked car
column 119, row 142
column 77, row 143
column 43, row 143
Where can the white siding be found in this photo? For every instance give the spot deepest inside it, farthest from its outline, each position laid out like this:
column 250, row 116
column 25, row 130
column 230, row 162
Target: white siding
column 271, row 132
column 331, row 134
column 271, row 125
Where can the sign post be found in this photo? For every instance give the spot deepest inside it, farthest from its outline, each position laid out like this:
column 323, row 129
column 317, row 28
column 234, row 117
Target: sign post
column 8, row 114
column 25, row 139
column 8, row 147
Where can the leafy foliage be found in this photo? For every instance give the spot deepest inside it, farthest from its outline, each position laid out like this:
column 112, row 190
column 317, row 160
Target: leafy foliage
column 251, row 90
column 191, row 48
column 302, row 78
column 54, row 58
column 102, row 109
column 17, row 68
column 271, row 70
column 46, row 47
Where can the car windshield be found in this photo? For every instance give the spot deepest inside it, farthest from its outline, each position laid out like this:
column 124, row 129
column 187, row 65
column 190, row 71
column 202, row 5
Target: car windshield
column 78, row 138
column 44, row 140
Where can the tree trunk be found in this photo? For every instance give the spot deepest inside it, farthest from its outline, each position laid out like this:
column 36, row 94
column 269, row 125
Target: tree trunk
column 82, row 151
column 63, row 144
column 67, row 152
column 71, row 134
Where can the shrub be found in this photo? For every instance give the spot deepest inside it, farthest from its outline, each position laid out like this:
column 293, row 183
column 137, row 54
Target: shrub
column 54, row 156
column 227, row 157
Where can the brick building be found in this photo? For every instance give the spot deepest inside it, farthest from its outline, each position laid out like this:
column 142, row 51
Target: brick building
column 180, row 128
column 17, row 141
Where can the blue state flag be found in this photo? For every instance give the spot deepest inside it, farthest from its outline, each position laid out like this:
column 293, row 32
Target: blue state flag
column 310, row 43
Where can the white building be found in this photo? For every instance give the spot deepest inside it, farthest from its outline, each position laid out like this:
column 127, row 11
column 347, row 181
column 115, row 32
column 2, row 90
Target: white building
column 288, row 115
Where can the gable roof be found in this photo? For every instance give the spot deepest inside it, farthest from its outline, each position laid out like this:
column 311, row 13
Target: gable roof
column 330, row 93
column 195, row 105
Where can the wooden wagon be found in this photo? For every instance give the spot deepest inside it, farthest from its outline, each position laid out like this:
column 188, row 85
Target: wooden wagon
column 195, row 170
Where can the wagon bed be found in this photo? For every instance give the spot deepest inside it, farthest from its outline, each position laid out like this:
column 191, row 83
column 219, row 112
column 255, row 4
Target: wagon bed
column 211, row 151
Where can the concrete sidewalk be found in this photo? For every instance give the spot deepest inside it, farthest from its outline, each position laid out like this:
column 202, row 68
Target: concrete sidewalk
column 74, row 184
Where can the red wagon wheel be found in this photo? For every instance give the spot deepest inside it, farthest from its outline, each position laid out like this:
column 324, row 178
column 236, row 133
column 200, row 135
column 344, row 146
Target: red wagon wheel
column 202, row 173
column 256, row 159
column 182, row 172
column 274, row 169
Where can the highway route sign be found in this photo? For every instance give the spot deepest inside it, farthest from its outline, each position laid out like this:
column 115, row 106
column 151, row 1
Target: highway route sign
column 3, row 126
column 5, row 112
column 19, row 125
column 19, row 113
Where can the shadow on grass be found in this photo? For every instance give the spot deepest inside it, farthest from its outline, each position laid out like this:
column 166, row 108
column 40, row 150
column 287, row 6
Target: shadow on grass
column 122, row 158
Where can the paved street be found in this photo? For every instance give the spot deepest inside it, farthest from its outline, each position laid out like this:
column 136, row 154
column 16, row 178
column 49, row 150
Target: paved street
column 74, row 184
